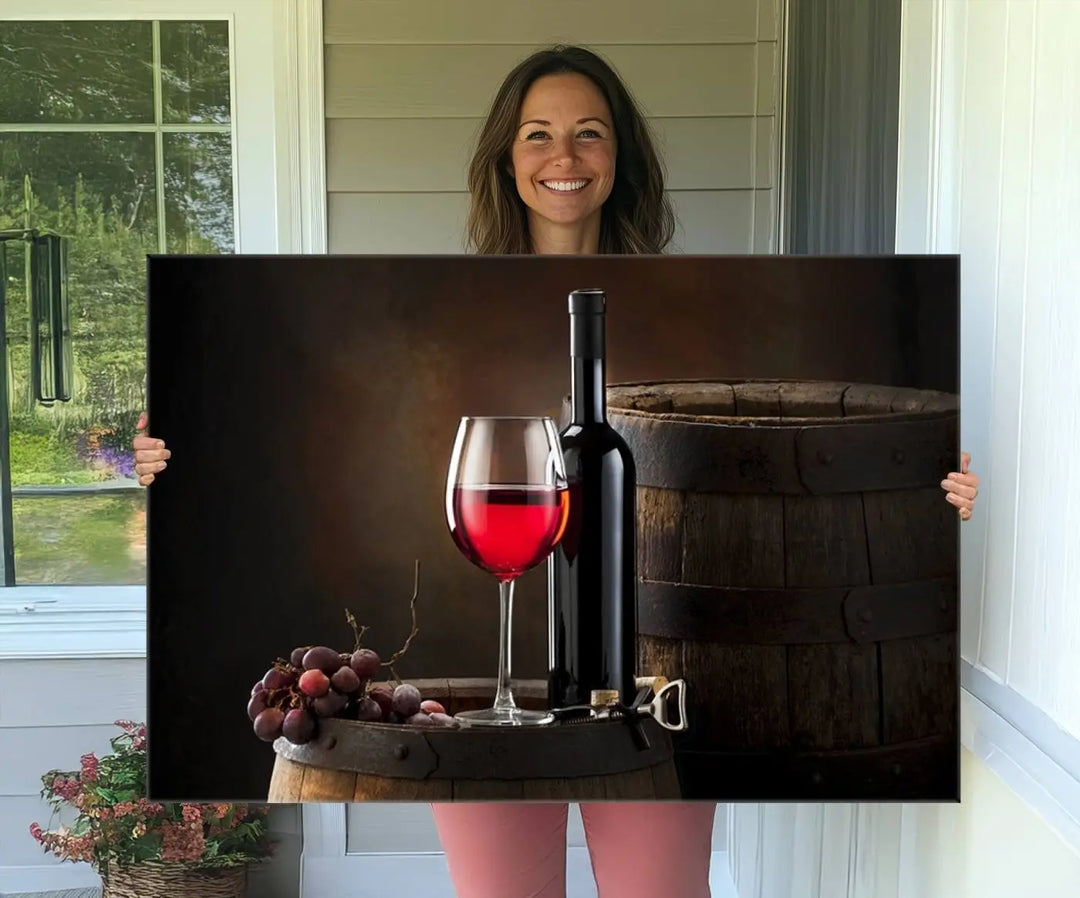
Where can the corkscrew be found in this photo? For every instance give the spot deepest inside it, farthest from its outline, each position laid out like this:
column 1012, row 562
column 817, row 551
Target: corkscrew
column 606, row 706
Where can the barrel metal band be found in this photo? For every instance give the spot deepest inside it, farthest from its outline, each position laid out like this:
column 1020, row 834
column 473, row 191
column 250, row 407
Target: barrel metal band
column 558, row 751
column 912, row 451
column 760, row 616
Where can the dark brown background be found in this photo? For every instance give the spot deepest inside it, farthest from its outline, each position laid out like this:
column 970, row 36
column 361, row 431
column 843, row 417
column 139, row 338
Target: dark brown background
column 311, row 404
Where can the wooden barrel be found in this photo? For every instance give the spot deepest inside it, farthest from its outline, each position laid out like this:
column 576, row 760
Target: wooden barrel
column 798, row 566
column 354, row 761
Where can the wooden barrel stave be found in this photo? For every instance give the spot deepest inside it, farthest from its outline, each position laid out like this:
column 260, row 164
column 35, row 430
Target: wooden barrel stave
column 791, row 520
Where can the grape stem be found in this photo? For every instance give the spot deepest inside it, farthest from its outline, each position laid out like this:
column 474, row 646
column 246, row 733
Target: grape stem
column 397, row 656
column 358, row 632
column 415, row 629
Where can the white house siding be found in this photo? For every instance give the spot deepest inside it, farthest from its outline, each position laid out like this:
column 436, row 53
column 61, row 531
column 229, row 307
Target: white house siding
column 408, row 83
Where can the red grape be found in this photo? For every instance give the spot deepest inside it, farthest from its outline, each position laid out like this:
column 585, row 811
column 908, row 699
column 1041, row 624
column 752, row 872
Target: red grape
column 330, row 704
column 275, row 678
column 365, row 663
column 368, row 709
column 345, row 681
column 258, row 687
column 298, row 726
column 431, row 706
column 314, row 683
column 322, row 658
column 394, row 717
column 296, row 659
column 446, row 720
column 257, row 705
column 383, row 695
column 406, row 700
column 268, row 724
column 420, row 719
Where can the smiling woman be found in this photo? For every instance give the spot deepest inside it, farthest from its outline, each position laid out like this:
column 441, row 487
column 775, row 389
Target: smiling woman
column 563, row 160
column 565, row 165
column 562, row 117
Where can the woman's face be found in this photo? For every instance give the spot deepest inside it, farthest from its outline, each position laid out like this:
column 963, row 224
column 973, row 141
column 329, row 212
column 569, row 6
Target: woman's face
column 563, row 154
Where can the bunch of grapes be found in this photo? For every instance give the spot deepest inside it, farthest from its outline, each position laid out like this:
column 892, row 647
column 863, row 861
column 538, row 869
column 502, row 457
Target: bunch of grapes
column 318, row 682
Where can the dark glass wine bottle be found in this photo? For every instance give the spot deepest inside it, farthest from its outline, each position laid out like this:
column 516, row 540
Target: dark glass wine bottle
column 592, row 574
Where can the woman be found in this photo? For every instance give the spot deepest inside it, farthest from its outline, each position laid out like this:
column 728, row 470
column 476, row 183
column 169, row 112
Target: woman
column 565, row 165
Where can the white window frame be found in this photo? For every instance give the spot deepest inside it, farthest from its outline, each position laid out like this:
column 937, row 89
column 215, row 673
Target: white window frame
column 276, row 57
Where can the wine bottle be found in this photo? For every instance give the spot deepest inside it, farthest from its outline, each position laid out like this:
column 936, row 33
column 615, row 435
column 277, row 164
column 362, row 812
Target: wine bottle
column 592, row 573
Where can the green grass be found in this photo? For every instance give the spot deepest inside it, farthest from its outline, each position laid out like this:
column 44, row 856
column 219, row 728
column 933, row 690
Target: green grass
column 81, row 539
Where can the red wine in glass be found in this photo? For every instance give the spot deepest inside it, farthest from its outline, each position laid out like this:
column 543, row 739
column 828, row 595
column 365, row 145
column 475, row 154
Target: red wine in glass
column 507, row 506
column 507, row 530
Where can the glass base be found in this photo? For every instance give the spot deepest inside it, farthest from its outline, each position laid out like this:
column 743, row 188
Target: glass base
column 508, row 717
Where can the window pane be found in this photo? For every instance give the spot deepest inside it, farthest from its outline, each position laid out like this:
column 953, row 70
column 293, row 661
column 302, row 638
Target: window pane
column 99, row 72
column 92, row 540
column 195, row 71
column 98, row 190
column 198, row 193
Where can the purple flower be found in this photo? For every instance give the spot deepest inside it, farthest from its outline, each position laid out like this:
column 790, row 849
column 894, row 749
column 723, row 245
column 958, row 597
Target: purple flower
column 115, row 462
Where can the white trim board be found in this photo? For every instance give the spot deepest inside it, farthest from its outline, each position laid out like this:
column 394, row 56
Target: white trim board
column 72, row 622
column 1030, row 769
column 302, row 140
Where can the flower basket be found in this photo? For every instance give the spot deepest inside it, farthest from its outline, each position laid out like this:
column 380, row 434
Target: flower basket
column 155, row 879
column 143, row 848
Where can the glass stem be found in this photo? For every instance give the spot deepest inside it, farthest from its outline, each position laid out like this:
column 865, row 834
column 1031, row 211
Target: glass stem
column 504, row 699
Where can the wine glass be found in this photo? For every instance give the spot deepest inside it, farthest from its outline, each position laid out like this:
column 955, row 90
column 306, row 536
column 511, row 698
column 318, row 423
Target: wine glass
column 506, row 506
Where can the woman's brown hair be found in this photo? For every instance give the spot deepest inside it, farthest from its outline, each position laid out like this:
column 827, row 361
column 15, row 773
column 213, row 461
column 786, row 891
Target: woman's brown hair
column 637, row 216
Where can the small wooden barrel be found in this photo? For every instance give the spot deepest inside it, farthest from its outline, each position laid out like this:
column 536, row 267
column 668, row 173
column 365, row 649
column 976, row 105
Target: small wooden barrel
column 798, row 566
column 354, row 761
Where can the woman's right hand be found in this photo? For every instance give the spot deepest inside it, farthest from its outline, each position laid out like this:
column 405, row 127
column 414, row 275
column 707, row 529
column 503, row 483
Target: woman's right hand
column 150, row 453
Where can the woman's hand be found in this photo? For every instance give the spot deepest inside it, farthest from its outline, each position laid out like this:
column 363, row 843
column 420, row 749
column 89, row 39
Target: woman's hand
column 150, row 454
column 961, row 488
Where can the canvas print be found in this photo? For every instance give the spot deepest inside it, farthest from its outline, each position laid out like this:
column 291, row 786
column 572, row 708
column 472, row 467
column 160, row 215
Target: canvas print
column 323, row 621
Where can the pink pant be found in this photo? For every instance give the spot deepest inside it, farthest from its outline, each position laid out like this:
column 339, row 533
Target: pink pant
column 638, row 850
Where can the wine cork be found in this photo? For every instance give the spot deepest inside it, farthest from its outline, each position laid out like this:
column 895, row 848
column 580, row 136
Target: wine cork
column 604, row 698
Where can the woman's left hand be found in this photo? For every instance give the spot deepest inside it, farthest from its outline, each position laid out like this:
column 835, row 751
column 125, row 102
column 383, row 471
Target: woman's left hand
column 962, row 487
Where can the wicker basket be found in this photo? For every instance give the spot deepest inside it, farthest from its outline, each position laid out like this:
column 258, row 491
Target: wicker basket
column 154, row 879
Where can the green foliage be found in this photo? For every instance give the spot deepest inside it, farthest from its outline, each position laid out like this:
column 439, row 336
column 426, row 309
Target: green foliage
column 118, row 825
column 38, row 458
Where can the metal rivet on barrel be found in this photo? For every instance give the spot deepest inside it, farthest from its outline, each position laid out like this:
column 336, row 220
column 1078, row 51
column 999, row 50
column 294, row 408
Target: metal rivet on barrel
column 401, row 752
column 826, row 458
column 866, row 615
column 898, row 456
